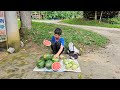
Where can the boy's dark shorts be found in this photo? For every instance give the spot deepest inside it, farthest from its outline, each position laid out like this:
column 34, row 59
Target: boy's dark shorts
column 55, row 47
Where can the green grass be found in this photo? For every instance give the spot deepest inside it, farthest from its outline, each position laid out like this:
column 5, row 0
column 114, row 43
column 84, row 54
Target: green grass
column 18, row 24
column 41, row 31
column 78, row 21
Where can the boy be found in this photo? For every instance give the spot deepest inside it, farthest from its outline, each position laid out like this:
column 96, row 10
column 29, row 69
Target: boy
column 57, row 43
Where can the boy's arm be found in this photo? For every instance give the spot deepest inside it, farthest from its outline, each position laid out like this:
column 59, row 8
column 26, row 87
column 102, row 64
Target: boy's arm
column 58, row 53
column 60, row 50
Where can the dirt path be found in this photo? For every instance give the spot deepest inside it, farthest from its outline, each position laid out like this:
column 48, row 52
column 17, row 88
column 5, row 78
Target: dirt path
column 104, row 63
column 101, row 64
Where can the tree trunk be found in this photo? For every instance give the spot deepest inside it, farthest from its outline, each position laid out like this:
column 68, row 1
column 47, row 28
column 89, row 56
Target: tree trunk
column 95, row 15
column 119, row 14
column 26, row 19
column 12, row 30
column 101, row 16
column 39, row 15
column 91, row 14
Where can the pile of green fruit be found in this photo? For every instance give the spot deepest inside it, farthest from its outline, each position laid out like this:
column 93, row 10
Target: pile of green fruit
column 70, row 64
column 46, row 61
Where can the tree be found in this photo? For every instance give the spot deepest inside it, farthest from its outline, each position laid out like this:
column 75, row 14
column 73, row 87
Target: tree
column 25, row 18
column 12, row 29
column 95, row 15
column 26, row 22
column 100, row 16
column 119, row 14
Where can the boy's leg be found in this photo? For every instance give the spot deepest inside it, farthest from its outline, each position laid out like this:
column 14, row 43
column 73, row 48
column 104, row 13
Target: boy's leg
column 53, row 47
column 58, row 47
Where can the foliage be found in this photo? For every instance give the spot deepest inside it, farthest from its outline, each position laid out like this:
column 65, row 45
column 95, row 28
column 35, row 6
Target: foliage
column 115, row 20
column 60, row 14
column 111, row 23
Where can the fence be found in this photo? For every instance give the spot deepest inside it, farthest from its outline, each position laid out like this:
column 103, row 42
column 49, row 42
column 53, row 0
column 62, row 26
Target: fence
column 34, row 15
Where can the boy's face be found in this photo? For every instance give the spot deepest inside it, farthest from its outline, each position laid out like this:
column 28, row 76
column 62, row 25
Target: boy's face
column 57, row 36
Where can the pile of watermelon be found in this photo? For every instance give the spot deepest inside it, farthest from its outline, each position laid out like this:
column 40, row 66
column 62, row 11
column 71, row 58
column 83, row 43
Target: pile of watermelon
column 48, row 61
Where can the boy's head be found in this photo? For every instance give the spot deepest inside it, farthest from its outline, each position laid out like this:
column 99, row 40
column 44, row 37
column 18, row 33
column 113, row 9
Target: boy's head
column 57, row 32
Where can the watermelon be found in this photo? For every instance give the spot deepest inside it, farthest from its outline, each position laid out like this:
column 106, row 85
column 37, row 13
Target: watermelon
column 48, row 64
column 56, row 66
column 48, row 56
column 55, row 59
column 65, row 61
column 40, row 64
column 68, row 66
column 41, row 58
column 47, row 43
column 74, row 67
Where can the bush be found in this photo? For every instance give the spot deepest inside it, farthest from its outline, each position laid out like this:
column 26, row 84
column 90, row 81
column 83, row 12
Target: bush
column 115, row 20
column 111, row 23
column 61, row 14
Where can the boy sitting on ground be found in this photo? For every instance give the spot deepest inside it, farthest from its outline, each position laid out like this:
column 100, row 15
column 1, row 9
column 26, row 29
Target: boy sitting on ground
column 58, row 43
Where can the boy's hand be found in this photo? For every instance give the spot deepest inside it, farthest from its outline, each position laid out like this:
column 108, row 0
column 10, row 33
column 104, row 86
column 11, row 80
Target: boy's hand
column 44, row 40
column 56, row 56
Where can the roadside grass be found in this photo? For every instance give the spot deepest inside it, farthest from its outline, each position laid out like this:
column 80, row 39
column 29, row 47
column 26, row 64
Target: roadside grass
column 78, row 36
column 19, row 24
column 78, row 21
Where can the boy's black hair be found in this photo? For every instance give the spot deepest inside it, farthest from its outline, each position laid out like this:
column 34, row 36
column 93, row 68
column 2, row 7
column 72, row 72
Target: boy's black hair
column 58, row 31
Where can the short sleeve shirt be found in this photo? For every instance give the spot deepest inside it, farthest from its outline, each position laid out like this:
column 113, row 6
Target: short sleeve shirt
column 61, row 40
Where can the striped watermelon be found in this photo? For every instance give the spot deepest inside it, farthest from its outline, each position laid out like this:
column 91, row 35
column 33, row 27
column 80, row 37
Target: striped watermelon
column 56, row 66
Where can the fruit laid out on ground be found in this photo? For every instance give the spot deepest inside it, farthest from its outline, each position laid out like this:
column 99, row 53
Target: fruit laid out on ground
column 48, row 56
column 56, row 66
column 70, row 64
column 41, row 63
column 47, row 60
column 47, row 43
column 48, row 64
column 62, row 57
column 55, row 59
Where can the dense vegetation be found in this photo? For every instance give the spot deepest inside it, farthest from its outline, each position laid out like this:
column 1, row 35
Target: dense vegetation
column 60, row 14
column 111, row 22
column 103, row 14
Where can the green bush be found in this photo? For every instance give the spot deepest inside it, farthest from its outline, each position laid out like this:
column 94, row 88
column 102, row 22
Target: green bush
column 114, row 23
column 115, row 20
column 61, row 14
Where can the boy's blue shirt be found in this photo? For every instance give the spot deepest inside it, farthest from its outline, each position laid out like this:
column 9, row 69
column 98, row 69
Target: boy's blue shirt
column 61, row 40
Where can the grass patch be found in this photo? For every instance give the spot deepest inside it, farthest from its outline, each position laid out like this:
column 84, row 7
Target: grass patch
column 19, row 24
column 41, row 31
column 78, row 21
